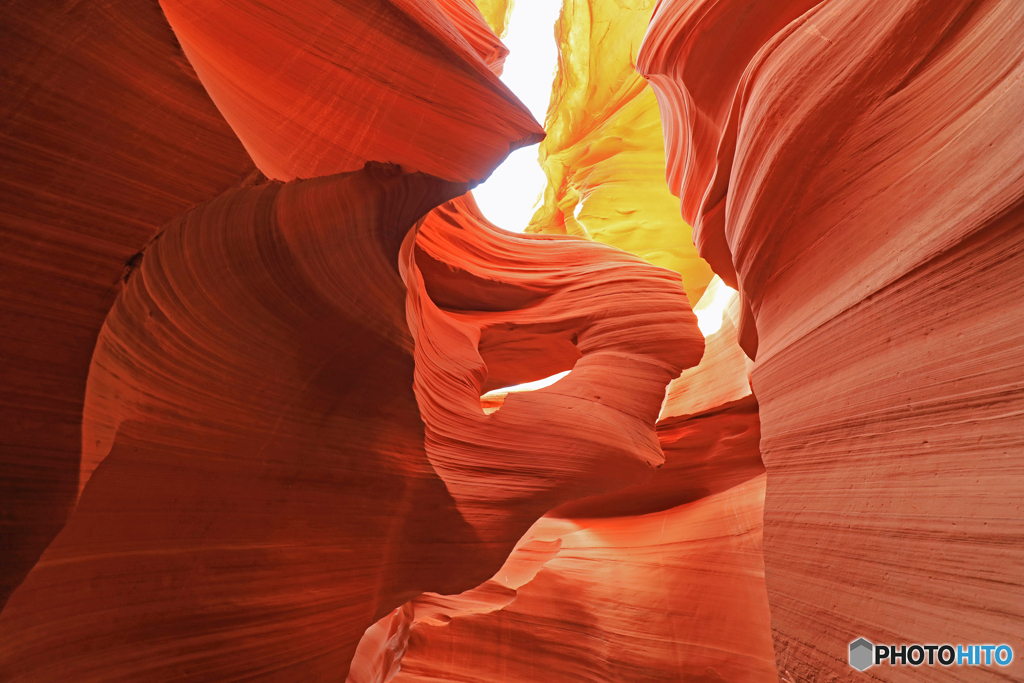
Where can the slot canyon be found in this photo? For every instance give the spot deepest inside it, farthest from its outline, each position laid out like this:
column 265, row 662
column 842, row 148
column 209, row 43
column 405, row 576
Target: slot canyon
column 296, row 384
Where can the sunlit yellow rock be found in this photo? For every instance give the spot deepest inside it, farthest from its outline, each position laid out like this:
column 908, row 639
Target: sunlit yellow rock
column 496, row 14
column 604, row 152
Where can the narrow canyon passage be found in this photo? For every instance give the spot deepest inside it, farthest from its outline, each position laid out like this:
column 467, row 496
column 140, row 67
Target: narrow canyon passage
column 484, row 341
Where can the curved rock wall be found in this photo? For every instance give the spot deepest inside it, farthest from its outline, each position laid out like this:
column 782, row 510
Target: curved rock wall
column 603, row 155
column 622, row 599
column 277, row 416
column 321, row 87
column 658, row 581
column 107, row 134
column 275, row 460
column 856, row 167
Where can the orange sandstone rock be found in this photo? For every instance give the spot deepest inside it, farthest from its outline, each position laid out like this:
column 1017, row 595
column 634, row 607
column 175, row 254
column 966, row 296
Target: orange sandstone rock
column 321, row 87
column 668, row 596
column 856, row 167
column 254, row 447
column 474, row 27
column 629, row 323
column 263, row 482
column 660, row 581
column 106, row 135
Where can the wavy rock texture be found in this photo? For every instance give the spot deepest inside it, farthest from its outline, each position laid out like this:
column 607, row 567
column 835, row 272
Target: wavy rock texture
column 107, row 134
column 321, row 87
column 856, row 166
column 286, row 461
column 251, row 410
column 604, row 154
column 708, row 429
column 500, row 308
column 723, row 375
column 623, row 599
column 482, row 36
column 246, row 384
column 617, row 586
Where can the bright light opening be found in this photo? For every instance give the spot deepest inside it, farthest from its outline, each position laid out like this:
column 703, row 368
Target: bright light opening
column 491, row 401
column 577, row 210
column 711, row 307
column 510, row 196
column 528, row 386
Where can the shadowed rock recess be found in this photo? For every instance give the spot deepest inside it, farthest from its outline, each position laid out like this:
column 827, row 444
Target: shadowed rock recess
column 260, row 413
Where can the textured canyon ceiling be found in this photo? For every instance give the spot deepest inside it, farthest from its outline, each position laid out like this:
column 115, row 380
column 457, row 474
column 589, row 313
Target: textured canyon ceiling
column 258, row 338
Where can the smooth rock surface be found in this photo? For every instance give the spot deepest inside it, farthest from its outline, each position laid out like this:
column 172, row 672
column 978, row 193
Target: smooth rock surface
column 107, row 134
column 321, row 87
column 856, row 167
column 275, row 459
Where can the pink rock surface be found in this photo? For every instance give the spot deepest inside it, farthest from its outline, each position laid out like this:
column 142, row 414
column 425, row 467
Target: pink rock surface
column 612, row 599
column 857, row 167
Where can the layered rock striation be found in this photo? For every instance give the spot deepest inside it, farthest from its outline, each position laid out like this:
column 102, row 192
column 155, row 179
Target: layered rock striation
column 297, row 460
column 259, row 343
column 321, row 87
column 854, row 168
column 658, row 581
column 107, row 134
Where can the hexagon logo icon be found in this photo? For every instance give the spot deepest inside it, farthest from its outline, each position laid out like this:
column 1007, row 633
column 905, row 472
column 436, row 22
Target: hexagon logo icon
column 861, row 654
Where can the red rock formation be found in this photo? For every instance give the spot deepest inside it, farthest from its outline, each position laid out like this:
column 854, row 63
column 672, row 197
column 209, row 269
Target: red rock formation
column 856, row 166
column 708, row 429
column 661, row 581
column 723, row 375
column 260, row 476
column 321, row 87
column 623, row 599
column 255, row 372
column 473, row 26
column 287, row 471
column 507, row 299
column 694, row 55
column 107, row 135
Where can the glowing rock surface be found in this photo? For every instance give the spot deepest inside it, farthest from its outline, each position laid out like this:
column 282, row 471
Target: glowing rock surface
column 604, row 154
column 496, row 14
column 284, row 419
column 854, row 167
